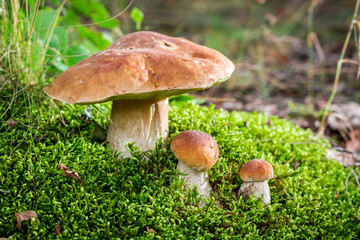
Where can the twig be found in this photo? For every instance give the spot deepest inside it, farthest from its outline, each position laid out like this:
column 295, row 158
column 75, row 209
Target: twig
column 289, row 160
column 95, row 23
column 287, row 194
column 356, row 177
column 308, row 230
column 347, row 193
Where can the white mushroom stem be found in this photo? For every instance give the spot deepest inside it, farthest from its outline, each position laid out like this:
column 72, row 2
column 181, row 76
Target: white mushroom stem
column 140, row 121
column 197, row 178
column 257, row 189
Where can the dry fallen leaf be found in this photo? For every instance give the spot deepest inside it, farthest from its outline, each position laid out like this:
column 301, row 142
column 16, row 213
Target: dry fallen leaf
column 11, row 123
column 354, row 143
column 345, row 158
column 72, row 174
column 150, row 230
column 63, row 167
column 296, row 165
column 339, row 122
column 218, row 203
column 24, row 216
column 351, row 110
column 57, row 228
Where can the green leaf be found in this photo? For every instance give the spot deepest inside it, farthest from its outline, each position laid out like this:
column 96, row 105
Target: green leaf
column 43, row 23
column 100, row 14
column 32, row 3
column 185, row 98
column 82, row 6
column 58, row 63
column 137, row 16
column 96, row 11
column 59, row 39
column 80, row 52
column 95, row 37
column 71, row 18
column 181, row 98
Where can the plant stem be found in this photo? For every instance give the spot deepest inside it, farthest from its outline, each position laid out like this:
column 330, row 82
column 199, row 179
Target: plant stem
column 310, row 45
column 338, row 70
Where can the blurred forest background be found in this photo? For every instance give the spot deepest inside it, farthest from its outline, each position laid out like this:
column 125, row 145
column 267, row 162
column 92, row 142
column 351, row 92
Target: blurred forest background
column 286, row 55
column 283, row 50
column 286, row 52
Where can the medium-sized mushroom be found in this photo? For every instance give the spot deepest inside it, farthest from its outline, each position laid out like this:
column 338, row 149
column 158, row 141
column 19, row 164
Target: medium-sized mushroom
column 197, row 152
column 255, row 174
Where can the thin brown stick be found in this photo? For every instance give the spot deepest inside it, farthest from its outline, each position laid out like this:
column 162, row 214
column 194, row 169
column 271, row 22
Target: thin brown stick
column 289, row 160
column 339, row 65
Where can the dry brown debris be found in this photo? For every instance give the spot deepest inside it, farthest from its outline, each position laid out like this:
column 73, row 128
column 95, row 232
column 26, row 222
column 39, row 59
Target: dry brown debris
column 24, row 216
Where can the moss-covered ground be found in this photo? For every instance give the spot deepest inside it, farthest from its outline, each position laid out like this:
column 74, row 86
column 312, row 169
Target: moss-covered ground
column 311, row 197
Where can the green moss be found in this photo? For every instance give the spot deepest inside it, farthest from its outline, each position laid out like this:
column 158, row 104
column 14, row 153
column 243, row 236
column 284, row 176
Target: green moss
column 127, row 198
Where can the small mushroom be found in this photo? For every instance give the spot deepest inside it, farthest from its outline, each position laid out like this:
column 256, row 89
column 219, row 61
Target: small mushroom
column 197, row 152
column 255, row 174
column 138, row 73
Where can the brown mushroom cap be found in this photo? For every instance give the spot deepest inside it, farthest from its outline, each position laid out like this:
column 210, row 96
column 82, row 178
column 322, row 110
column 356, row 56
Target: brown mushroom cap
column 196, row 149
column 256, row 170
column 141, row 65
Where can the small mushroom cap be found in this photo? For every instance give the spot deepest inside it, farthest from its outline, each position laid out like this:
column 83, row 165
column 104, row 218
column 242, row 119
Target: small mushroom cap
column 141, row 65
column 196, row 149
column 256, row 170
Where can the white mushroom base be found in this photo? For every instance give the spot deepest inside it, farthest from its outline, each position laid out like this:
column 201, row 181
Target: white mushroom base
column 197, row 178
column 257, row 189
column 140, row 121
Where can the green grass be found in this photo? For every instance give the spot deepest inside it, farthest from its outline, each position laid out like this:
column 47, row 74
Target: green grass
column 122, row 199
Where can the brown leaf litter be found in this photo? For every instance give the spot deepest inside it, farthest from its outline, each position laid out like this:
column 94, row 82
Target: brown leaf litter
column 68, row 173
column 24, row 216
column 346, row 158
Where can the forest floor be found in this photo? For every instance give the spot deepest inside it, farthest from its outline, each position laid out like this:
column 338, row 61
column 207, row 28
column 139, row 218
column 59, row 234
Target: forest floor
column 342, row 127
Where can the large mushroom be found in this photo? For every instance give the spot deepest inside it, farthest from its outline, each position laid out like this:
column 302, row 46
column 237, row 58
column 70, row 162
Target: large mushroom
column 138, row 73
column 255, row 174
column 197, row 152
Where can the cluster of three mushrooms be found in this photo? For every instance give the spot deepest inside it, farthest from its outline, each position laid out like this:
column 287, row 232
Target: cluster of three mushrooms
column 138, row 73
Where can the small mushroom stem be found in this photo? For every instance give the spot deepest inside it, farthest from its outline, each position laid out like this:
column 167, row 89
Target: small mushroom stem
column 140, row 121
column 195, row 177
column 257, row 189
